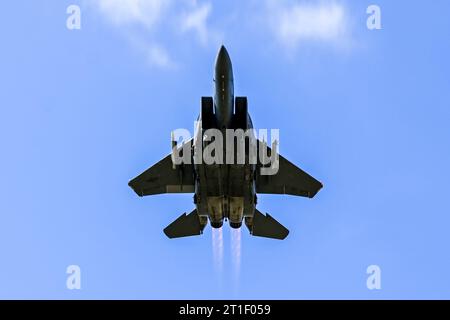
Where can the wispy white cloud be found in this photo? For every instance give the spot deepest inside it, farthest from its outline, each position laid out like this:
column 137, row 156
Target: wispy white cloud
column 157, row 27
column 159, row 56
column 122, row 12
column 141, row 19
column 196, row 20
column 155, row 54
column 297, row 23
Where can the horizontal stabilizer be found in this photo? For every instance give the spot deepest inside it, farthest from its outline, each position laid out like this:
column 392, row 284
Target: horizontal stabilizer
column 185, row 226
column 268, row 227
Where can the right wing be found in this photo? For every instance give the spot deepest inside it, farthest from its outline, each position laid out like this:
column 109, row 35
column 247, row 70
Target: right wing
column 288, row 180
column 163, row 178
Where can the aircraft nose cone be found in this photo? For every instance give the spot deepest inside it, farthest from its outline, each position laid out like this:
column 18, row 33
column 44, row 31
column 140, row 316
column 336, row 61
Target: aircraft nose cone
column 223, row 50
column 223, row 67
column 222, row 56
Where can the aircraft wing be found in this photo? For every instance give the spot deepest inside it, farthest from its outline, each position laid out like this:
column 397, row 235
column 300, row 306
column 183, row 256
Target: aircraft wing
column 288, row 180
column 163, row 178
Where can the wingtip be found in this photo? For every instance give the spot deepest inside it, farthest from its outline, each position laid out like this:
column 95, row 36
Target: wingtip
column 167, row 233
column 140, row 194
column 319, row 187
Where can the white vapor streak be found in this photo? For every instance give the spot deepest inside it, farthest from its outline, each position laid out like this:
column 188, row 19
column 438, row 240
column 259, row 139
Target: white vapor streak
column 236, row 251
column 217, row 246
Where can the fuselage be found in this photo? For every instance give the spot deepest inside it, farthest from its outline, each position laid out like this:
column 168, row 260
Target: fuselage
column 225, row 191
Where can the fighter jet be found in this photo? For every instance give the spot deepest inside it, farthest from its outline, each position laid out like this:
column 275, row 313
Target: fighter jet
column 224, row 191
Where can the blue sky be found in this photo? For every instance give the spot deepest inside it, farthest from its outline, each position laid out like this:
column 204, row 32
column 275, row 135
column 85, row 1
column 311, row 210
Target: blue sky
column 83, row 111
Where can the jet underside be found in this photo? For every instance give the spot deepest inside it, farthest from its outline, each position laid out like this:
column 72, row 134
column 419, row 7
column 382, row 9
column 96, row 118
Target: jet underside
column 224, row 192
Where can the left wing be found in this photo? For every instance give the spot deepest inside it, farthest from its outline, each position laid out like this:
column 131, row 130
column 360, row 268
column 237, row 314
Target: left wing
column 163, row 178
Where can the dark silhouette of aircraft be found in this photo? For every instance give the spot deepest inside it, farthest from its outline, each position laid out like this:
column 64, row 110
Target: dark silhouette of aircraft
column 222, row 190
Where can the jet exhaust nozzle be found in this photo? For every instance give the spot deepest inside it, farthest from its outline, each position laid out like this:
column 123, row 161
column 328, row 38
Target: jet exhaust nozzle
column 217, row 224
column 235, row 225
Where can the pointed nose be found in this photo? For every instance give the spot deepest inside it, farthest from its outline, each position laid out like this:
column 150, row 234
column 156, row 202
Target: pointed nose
column 223, row 52
column 223, row 58
column 223, row 67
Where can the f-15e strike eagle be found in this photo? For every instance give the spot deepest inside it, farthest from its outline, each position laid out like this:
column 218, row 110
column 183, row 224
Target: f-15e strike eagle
column 223, row 190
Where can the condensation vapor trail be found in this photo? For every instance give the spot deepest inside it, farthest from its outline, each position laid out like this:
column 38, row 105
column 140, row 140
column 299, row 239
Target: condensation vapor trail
column 217, row 247
column 236, row 251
